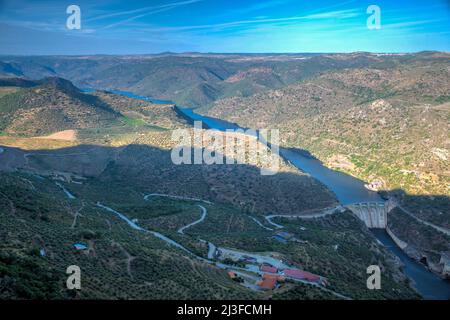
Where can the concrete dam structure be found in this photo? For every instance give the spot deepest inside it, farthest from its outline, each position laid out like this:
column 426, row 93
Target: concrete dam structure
column 374, row 214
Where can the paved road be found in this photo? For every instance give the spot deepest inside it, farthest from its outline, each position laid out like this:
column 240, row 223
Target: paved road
column 175, row 197
column 68, row 194
column 260, row 224
column 204, row 212
column 324, row 213
column 212, row 247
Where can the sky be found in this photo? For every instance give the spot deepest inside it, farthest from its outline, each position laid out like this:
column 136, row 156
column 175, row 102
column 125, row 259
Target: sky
column 223, row 26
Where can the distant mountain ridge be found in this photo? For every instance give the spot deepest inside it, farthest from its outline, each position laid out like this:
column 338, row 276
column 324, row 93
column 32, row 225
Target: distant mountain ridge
column 195, row 80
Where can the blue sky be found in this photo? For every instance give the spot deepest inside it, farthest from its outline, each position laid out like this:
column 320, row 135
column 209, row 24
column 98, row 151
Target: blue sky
column 136, row 27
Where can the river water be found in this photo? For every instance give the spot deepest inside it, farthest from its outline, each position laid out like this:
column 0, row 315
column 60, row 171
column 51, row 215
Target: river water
column 347, row 190
column 429, row 285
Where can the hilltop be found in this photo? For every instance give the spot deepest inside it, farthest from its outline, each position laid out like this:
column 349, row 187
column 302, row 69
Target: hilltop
column 366, row 114
column 52, row 105
column 43, row 107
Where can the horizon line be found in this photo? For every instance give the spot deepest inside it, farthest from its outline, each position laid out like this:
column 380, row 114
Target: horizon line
column 221, row 53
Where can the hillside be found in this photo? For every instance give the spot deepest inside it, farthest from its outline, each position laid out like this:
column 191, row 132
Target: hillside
column 38, row 108
column 120, row 263
column 9, row 70
column 386, row 125
column 376, row 123
column 54, row 193
column 52, row 105
column 192, row 80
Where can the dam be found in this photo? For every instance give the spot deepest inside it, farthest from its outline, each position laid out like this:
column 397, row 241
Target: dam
column 373, row 214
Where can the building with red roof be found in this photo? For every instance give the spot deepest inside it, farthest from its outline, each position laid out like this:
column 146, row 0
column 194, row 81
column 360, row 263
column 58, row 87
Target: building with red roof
column 301, row 275
column 268, row 282
column 270, row 269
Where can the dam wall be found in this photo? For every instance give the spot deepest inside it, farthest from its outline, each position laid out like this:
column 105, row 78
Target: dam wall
column 374, row 214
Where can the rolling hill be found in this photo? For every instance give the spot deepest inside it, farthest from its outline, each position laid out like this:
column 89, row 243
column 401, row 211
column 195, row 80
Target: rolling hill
column 192, row 80
column 387, row 125
column 53, row 194
column 49, row 106
column 383, row 118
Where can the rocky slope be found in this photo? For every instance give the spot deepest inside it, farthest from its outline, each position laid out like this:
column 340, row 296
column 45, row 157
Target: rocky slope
column 376, row 123
column 387, row 125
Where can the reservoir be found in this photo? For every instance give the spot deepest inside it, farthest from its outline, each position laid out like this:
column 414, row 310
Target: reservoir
column 347, row 189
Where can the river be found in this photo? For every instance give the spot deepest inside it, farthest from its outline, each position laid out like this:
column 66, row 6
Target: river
column 347, row 190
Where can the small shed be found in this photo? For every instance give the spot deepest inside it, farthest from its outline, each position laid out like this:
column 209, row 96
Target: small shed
column 80, row 246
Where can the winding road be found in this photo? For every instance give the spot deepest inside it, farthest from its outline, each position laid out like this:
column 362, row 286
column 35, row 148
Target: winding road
column 211, row 246
column 156, row 234
column 261, row 225
column 204, row 212
column 175, row 197
column 325, row 212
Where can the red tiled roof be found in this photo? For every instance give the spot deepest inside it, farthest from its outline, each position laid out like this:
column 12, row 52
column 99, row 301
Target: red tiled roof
column 299, row 274
column 265, row 268
column 270, row 276
column 268, row 283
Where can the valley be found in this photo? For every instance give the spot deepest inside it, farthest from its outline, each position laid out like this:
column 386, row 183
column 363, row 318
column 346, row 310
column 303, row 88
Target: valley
column 387, row 125
column 94, row 167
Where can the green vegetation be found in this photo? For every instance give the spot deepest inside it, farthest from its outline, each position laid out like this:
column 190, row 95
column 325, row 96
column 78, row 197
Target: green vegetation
column 368, row 116
column 118, row 257
column 390, row 122
column 418, row 235
column 385, row 122
column 197, row 80
column 135, row 122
